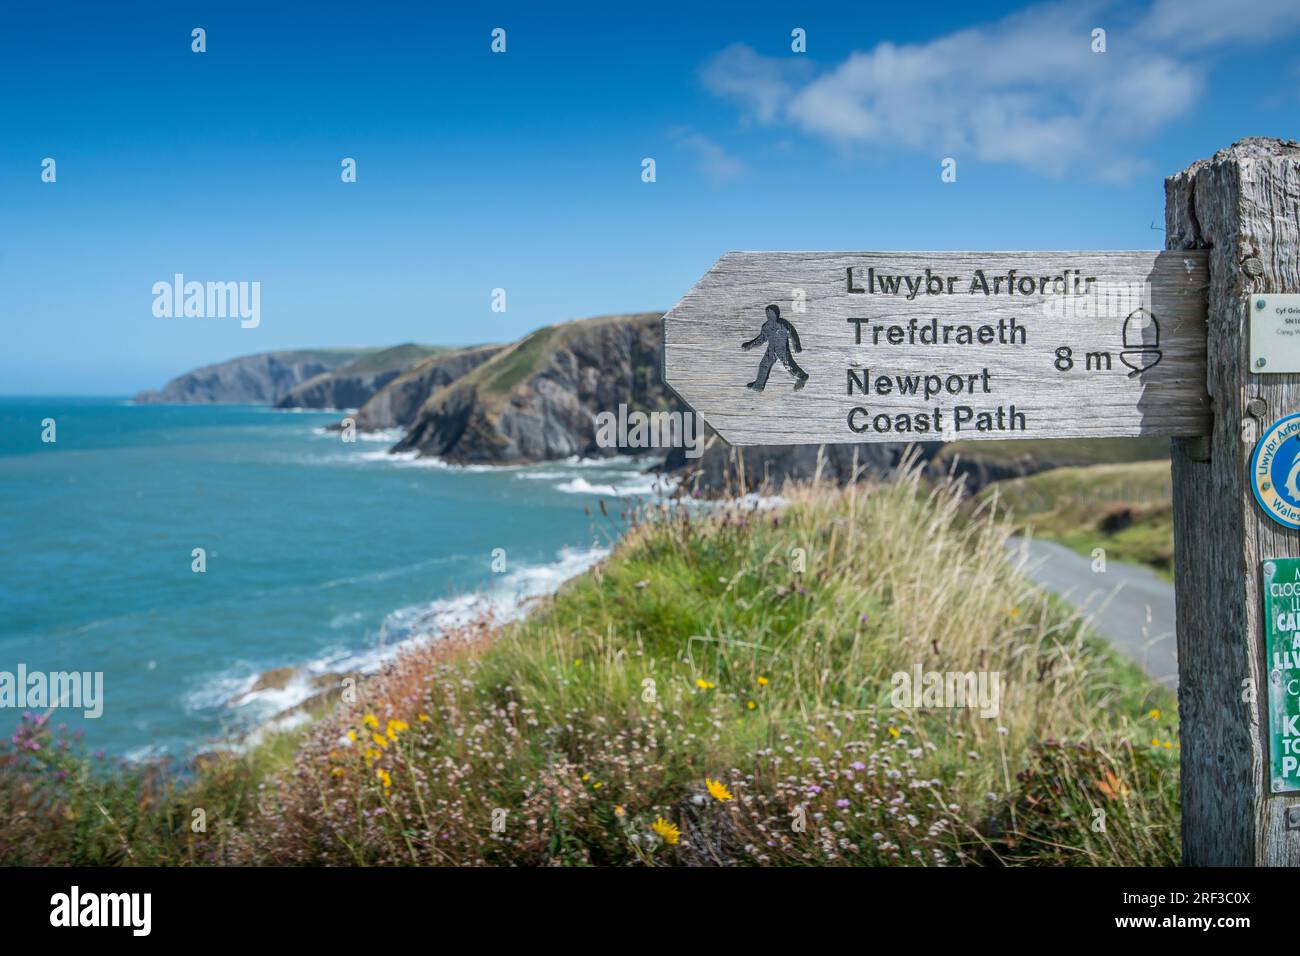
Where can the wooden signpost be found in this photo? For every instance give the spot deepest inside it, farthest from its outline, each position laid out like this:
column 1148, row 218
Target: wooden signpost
column 922, row 346
column 813, row 348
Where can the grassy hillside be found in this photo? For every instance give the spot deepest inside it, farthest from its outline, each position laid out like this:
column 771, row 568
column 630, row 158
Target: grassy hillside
column 383, row 360
column 1058, row 452
column 1124, row 508
column 717, row 692
column 503, row 372
column 374, row 361
column 340, row 354
column 529, row 355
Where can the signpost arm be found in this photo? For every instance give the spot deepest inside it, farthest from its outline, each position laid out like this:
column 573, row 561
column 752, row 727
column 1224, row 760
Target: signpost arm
column 1243, row 204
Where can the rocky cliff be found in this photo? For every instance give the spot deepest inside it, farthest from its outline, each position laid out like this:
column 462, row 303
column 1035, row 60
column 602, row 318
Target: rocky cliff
column 537, row 399
column 353, row 384
column 398, row 402
column 263, row 378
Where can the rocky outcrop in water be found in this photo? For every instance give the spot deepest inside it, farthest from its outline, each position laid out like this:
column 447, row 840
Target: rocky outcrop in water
column 399, row 401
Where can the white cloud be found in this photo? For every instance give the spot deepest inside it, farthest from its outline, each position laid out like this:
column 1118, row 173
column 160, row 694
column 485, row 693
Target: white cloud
column 1197, row 24
column 1026, row 90
column 716, row 163
column 763, row 85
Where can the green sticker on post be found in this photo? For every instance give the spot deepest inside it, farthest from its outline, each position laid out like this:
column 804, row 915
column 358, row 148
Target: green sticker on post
column 1282, row 637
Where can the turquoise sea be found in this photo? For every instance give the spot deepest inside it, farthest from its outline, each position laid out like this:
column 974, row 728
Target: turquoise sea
column 321, row 555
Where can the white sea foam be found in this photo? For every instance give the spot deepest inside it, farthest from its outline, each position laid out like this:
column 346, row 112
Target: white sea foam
column 575, row 461
column 296, row 689
column 413, row 459
column 508, row 599
column 273, row 410
column 219, row 689
column 144, row 752
column 388, row 436
column 277, row 724
column 757, row 502
column 632, row 484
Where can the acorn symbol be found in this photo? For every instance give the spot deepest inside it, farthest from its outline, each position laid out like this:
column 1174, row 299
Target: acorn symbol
column 1141, row 342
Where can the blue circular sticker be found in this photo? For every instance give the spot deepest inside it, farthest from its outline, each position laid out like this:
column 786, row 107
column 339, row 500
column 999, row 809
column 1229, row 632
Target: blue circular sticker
column 1275, row 471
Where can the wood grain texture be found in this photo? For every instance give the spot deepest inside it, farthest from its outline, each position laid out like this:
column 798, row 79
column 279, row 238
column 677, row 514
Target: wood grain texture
column 705, row 365
column 1243, row 204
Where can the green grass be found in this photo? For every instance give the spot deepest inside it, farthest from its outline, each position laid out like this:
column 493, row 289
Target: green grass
column 503, row 372
column 1123, row 508
column 334, row 356
column 514, row 365
column 1058, row 452
column 383, row 360
column 754, row 649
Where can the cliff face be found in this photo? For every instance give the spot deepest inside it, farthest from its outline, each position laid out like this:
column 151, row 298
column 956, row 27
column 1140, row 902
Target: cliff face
column 331, row 390
column 537, row 399
column 397, row 403
column 263, row 378
column 353, row 384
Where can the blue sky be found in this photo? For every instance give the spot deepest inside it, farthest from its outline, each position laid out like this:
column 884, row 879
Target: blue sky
column 522, row 170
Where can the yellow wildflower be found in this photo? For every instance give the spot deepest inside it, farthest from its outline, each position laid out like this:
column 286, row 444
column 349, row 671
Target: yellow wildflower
column 762, row 681
column 668, row 831
column 597, row 785
column 1154, row 713
column 716, row 790
column 1154, row 742
column 337, row 772
column 371, row 721
column 751, row 705
column 424, row 718
column 395, row 727
column 586, row 777
column 619, row 811
column 384, row 778
column 703, row 684
column 893, row 731
column 381, row 742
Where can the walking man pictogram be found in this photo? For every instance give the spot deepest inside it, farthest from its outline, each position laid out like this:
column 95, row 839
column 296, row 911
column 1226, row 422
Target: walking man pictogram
column 779, row 335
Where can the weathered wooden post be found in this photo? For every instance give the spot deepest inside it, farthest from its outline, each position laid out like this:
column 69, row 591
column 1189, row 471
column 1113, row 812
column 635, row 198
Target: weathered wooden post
column 1200, row 343
column 1243, row 205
